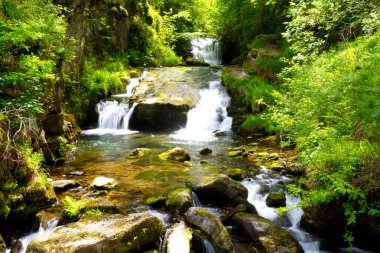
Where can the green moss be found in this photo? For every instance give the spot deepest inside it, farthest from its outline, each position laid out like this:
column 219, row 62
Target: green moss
column 237, row 153
column 155, row 201
column 139, row 152
column 179, row 199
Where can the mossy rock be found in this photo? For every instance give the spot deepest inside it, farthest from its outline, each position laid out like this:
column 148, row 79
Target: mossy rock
column 176, row 154
column 287, row 168
column 139, row 152
column 196, row 62
column 155, row 201
column 270, row 236
column 179, row 200
column 63, row 185
column 105, row 233
column 276, row 199
column 205, row 151
column 219, row 188
column 238, row 174
column 235, row 153
column 212, row 226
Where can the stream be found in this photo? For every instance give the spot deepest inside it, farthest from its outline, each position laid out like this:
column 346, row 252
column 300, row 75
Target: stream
column 104, row 152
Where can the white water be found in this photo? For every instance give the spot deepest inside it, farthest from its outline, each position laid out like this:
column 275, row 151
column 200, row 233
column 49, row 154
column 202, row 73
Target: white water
column 258, row 191
column 208, row 116
column 114, row 116
column 25, row 240
column 179, row 239
column 207, row 49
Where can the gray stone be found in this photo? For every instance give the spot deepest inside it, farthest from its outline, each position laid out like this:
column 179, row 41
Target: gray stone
column 65, row 184
column 103, row 183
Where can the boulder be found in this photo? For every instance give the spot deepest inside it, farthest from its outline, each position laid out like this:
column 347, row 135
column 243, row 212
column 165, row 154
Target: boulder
column 276, row 199
column 105, row 233
column 270, row 236
column 63, row 185
column 139, row 152
column 39, row 193
column 219, row 188
column 155, row 115
column 238, row 174
column 155, row 201
column 176, row 154
column 211, row 225
column 273, row 156
column 179, row 199
column 288, row 168
column 205, row 151
column 103, row 183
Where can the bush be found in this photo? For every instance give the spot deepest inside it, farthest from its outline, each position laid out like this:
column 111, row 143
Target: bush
column 331, row 111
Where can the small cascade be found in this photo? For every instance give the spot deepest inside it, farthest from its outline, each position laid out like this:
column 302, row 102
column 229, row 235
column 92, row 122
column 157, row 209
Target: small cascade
column 208, row 116
column 207, row 49
column 259, row 189
column 114, row 116
column 25, row 240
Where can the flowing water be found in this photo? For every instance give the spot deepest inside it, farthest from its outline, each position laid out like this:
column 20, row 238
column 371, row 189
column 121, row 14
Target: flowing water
column 104, row 152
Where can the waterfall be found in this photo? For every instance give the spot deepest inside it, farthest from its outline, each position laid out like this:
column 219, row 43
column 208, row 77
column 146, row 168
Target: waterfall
column 207, row 49
column 258, row 191
column 114, row 116
column 208, row 116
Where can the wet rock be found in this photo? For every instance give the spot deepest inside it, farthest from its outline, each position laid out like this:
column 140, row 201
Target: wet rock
column 220, row 133
column 235, row 153
column 155, row 115
column 288, row 168
column 155, row 201
column 276, row 199
column 105, row 233
column 202, row 162
column 2, row 245
column 237, row 174
column 196, row 62
column 271, row 237
column 103, row 183
column 139, row 152
column 63, row 185
column 205, row 151
column 273, row 156
column 219, row 188
column 178, row 238
column 176, row 154
column 76, row 173
column 179, row 199
column 211, row 225
column 45, row 216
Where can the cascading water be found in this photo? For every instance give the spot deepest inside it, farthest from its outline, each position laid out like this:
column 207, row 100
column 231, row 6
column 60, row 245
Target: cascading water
column 114, row 116
column 207, row 49
column 210, row 114
column 25, row 240
column 259, row 189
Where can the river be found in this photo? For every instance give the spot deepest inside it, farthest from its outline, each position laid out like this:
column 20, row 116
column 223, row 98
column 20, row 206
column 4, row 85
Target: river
column 104, row 152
